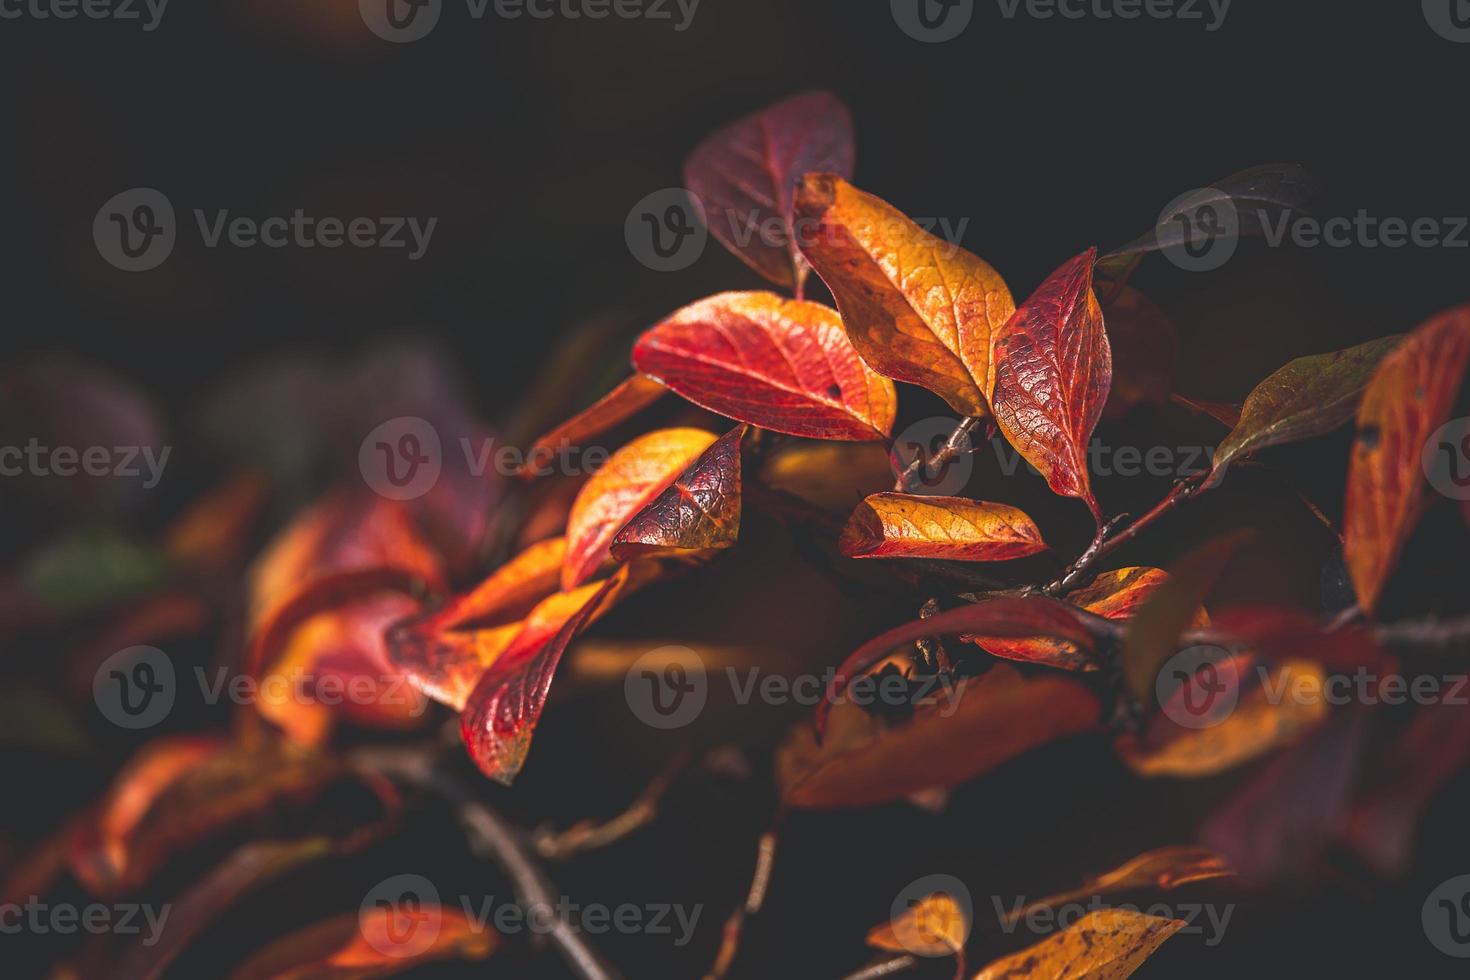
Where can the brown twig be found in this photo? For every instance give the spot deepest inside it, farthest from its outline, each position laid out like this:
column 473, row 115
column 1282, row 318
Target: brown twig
column 1103, row 545
column 958, row 443
column 884, row 969
column 500, row 840
column 755, row 897
column 589, row 835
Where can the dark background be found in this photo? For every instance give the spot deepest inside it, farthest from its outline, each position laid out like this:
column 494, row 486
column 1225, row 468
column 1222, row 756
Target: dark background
column 530, row 141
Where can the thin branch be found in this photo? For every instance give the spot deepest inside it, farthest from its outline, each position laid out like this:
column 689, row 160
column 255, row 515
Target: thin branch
column 755, row 897
column 502, row 841
column 884, row 969
column 590, row 835
column 1102, row 545
column 958, row 443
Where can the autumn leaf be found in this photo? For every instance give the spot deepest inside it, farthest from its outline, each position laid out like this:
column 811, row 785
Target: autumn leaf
column 900, row 525
column 444, row 653
column 213, row 533
column 1108, row 944
column 1116, row 594
column 1285, row 815
column 1308, row 397
column 1145, row 349
column 178, row 793
column 699, row 513
column 784, row 365
column 1021, row 617
column 1165, row 867
column 1271, row 711
column 933, row 926
column 1155, row 629
column 1260, row 198
column 968, row 730
column 1410, row 396
column 501, row 713
column 917, row 308
column 1053, row 368
column 617, row 406
column 633, row 477
column 375, row 942
column 746, row 173
column 1226, row 413
column 447, row 664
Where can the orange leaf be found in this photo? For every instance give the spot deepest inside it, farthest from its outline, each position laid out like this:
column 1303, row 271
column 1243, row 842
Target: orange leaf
column 781, row 364
column 917, row 308
column 933, row 926
column 632, row 478
column 698, row 513
column 376, row 942
column 1410, row 396
column 1170, row 607
column 746, row 173
column 1277, row 711
column 1109, row 944
column 1113, row 595
column 213, row 533
column 613, row 408
column 1053, row 368
column 1165, row 867
column 899, row 525
column 864, row 761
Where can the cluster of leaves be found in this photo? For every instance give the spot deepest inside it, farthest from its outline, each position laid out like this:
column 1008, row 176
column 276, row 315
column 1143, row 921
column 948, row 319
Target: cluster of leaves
column 361, row 587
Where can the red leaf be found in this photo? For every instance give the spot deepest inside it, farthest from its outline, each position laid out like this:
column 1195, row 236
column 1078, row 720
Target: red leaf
column 700, row 512
column 998, row 717
column 502, row 711
column 613, row 408
column 1022, row 617
column 746, row 173
column 784, row 365
column 1053, row 368
column 1410, row 396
